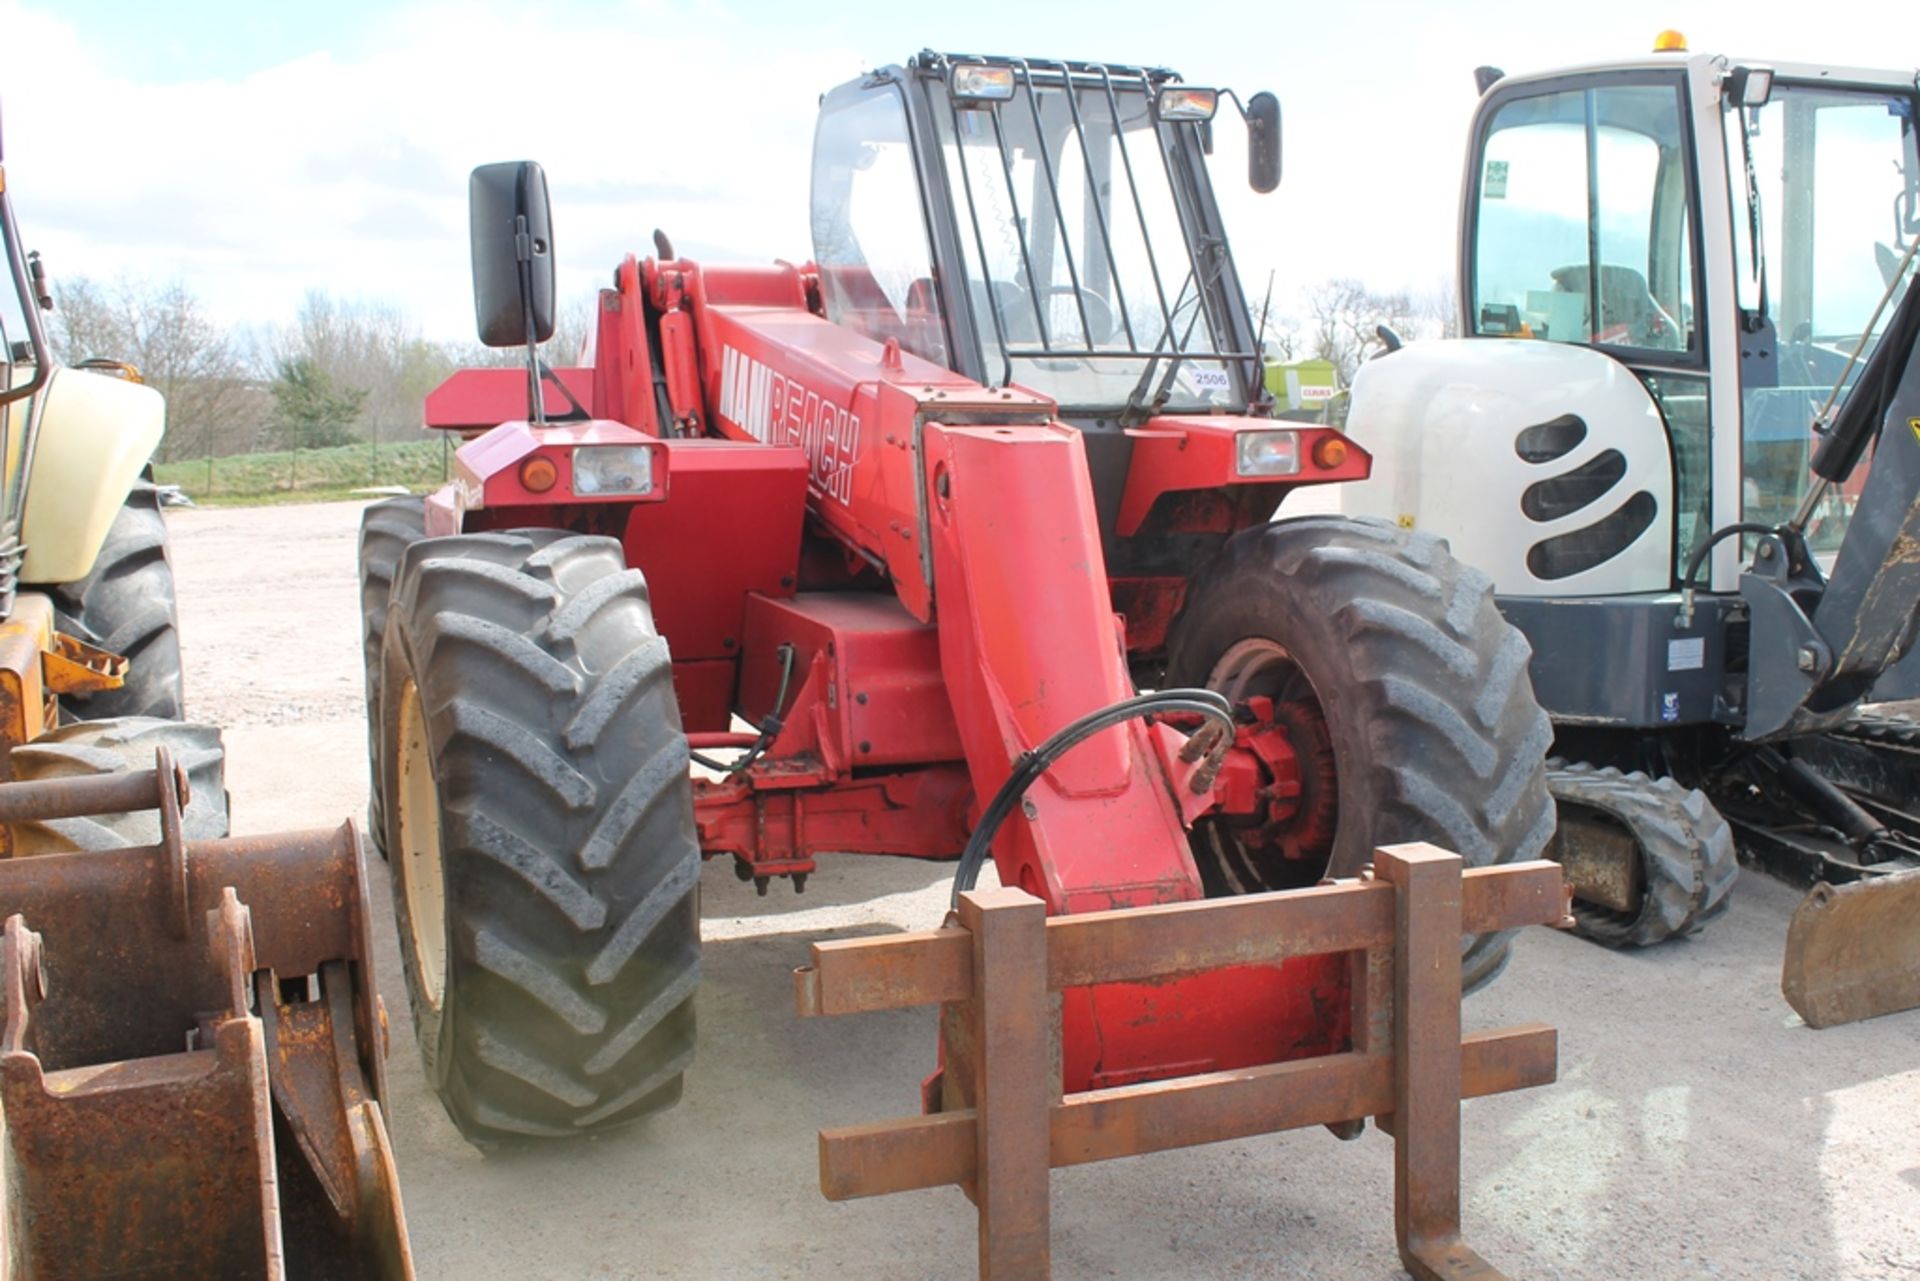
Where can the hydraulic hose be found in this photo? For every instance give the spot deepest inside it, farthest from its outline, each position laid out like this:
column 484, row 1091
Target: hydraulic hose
column 1687, row 584
column 1843, row 442
column 769, row 728
column 1031, row 765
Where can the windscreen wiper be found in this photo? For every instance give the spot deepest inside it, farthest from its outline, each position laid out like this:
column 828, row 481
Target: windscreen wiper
column 1132, row 416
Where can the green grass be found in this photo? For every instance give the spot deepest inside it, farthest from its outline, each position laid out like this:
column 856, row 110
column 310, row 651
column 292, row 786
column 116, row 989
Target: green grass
column 307, row 475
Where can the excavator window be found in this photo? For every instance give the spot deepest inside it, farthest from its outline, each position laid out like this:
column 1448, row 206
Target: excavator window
column 869, row 231
column 1582, row 226
column 1835, row 173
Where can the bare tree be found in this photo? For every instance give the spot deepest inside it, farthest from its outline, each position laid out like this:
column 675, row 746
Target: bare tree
column 1345, row 317
column 1439, row 311
column 1282, row 339
column 368, row 351
column 574, row 326
column 212, row 397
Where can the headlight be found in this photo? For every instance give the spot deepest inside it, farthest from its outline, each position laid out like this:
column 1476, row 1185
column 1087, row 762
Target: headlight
column 977, row 82
column 1178, row 102
column 612, row 469
column 1267, row 453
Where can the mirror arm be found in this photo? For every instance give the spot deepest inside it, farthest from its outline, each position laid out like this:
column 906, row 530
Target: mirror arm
column 523, row 254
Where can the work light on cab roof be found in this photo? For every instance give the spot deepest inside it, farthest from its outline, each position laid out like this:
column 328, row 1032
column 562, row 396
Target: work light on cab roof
column 1183, row 102
column 977, row 82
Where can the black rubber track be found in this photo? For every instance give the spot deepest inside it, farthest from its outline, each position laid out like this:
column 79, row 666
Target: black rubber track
column 1688, row 861
column 88, row 748
column 1436, row 734
column 126, row 606
column 1893, row 730
column 387, row 528
column 568, row 847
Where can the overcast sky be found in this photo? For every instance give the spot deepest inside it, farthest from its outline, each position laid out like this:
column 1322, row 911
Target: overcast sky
column 256, row 150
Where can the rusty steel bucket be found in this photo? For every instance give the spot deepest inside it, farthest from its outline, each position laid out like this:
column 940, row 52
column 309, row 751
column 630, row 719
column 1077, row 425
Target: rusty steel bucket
column 1853, row 951
column 191, row 1065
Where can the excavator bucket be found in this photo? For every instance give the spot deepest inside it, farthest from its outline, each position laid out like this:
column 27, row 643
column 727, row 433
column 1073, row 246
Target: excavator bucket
column 1853, row 951
column 191, row 1063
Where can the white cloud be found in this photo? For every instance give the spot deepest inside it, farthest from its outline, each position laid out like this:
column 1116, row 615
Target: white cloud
column 346, row 171
column 351, row 175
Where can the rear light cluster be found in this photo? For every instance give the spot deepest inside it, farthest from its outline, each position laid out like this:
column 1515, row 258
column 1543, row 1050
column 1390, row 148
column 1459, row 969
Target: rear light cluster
column 598, row 471
column 612, row 469
column 1329, row 452
column 538, row 474
column 1267, row 453
column 1277, row 453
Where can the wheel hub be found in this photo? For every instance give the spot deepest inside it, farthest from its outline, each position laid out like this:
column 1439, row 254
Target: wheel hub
column 1279, row 787
column 1282, row 792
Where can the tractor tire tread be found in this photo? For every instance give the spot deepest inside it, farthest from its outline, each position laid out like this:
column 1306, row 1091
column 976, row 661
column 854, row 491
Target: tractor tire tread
column 126, row 606
column 1448, row 731
column 92, row 748
column 387, row 529
column 571, row 860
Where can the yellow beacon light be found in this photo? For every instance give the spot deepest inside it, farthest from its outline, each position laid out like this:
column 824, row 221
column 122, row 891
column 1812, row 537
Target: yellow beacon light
column 1669, row 41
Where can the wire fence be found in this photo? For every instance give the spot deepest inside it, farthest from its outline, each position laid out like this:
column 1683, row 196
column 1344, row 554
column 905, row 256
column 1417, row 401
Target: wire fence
column 283, row 475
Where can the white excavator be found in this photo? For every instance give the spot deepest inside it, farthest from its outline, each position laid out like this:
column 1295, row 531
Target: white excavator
column 1681, row 432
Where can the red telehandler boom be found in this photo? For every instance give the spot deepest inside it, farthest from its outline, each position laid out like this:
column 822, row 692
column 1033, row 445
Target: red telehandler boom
column 972, row 519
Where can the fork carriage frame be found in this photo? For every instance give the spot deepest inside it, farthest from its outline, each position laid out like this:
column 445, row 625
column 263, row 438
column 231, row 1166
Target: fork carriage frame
column 998, row 1119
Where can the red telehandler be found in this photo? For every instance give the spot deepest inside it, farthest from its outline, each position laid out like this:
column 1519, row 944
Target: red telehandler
column 972, row 520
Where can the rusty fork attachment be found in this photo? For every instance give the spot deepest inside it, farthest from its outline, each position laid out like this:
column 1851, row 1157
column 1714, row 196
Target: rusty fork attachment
column 998, row 964
column 192, row 1060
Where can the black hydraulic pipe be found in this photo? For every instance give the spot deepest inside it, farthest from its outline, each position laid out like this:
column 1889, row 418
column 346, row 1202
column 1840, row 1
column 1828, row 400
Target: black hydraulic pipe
column 1827, row 801
column 1858, row 422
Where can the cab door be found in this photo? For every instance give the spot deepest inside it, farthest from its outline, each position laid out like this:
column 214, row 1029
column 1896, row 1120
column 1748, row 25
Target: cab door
column 1582, row 220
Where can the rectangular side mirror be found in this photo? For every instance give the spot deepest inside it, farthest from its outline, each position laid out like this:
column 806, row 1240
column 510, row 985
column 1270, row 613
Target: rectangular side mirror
column 1263, row 142
column 512, row 232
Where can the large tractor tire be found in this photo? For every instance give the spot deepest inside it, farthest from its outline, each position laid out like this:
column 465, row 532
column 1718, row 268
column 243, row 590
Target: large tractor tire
column 89, row 748
column 1403, row 691
column 1683, row 847
column 126, row 606
column 386, row 529
column 540, row 829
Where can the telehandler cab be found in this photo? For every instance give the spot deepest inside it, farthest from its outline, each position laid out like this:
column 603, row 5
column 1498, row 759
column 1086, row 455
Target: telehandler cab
column 1683, row 436
column 971, row 520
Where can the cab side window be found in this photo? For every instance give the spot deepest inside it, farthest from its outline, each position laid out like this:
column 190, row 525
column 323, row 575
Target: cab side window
column 869, row 233
column 1581, row 219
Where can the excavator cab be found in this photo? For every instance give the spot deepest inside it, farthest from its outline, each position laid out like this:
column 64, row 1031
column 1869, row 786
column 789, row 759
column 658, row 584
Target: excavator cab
column 1676, row 434
column 1582, row 230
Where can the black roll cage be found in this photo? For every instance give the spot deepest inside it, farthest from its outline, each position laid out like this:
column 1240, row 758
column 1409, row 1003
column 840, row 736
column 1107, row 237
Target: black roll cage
column 1220, row 299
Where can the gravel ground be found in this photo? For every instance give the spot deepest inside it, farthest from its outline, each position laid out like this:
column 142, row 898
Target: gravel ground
column 1697, row 1129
